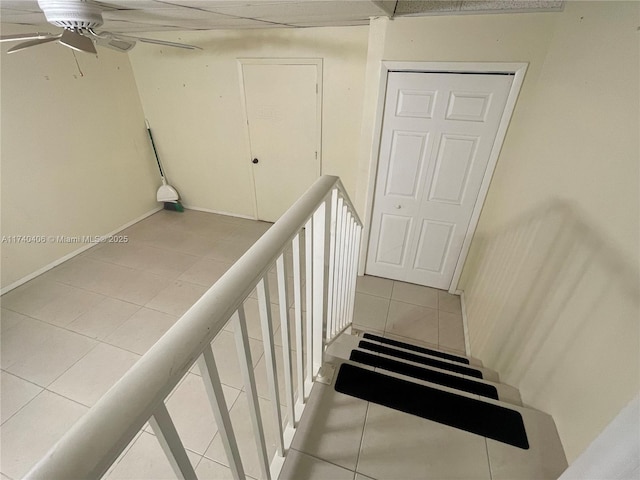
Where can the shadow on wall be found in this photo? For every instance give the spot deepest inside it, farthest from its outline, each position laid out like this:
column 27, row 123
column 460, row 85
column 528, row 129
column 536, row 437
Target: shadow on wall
column 547, row 293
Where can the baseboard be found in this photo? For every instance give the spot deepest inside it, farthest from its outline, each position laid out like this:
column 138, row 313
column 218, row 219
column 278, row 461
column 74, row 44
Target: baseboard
column 465, row 324
column 219, row 212
column 69, row 256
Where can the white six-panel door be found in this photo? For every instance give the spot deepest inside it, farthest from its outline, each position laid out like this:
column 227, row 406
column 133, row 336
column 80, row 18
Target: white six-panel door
column 437, row 135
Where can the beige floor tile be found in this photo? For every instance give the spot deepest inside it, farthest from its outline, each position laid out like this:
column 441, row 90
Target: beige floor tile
column 16, row 393
column 64, row 309
column 413, row 321
column 41, row 362
column 104, row 318
column 225, row 353
column 450, row 330
column 448, row 302
column 242, row 426
column 370, row 313
column 112, row 280
column 273, row 290
column 24, row 339
column 9, row 319
column 252, row 230
column 254, row 323
column 210, row 470
column 162, row 262
column 359, row 476
column 31, row 297
column 205, row 272
column 145, row 460
column 141, row 331
column 140, row 287
column 228, row 250
column 91, row 377
column 379, row 287
column 261, row 376
column 28, row 435
column 191, row 412
column 421, row 449
column 331, row 427
column 415, row 294
column 170, row 238
column 91, row 274
column 299, row 465
column 177, row 298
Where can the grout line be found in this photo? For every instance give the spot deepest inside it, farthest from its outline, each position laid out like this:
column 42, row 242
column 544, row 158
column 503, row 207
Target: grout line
column 302, row 452
column 364, row 426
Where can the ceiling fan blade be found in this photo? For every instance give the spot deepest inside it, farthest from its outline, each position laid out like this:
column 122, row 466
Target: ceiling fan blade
column 32, row 43
column 117, row 44
column 27, row 36
column 158, row 42
column 76, row 41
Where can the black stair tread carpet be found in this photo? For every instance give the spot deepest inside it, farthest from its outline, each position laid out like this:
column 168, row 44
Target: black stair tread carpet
column 412, row 357
column 416, row 348
column 464, row 384
column 475, row 416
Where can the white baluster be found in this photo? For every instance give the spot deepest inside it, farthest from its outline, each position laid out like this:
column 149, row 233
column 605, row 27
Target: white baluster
column 308, row 252
column 297, row 311
column 213, row 386
column 264, row 306
column 171, row 444
column 286, row 337
column 246, row 368
column 320, row 278
column 332, row 259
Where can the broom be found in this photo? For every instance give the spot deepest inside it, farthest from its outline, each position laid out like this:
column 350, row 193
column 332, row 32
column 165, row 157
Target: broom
column 166, row 193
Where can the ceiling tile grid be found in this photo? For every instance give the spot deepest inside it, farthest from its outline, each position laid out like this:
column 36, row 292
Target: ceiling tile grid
column 162, row 15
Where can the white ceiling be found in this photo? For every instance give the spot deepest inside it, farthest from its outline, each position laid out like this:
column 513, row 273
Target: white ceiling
column 162, row 15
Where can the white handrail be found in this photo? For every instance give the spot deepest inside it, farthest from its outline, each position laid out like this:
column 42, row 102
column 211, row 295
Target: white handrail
column 91, row 446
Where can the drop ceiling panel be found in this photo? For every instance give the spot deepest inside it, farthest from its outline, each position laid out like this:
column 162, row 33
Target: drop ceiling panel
column 160, row 15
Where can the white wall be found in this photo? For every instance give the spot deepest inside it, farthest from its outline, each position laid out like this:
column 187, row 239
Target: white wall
column 194, row 106
column 75, row 157
column 551, row 283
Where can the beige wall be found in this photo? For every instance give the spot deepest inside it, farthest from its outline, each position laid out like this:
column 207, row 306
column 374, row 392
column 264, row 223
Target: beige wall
column 552, row 280
column 194, row 106
column 551, row 283
column 75, row 157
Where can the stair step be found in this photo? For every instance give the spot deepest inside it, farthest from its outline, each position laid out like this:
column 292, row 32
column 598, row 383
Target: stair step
column 429, row 361
column 416, row 348
column 345, row 343
column 476, row 416
column 428, row 375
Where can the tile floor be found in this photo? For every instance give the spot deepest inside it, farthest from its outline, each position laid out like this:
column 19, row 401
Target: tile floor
column 69, row 334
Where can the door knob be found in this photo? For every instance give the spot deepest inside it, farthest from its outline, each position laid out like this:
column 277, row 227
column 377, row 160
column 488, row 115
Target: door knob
column 398, row 207
column 255, row 160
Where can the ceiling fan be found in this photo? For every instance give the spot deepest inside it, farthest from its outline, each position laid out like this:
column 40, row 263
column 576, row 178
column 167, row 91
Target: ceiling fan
column 80, row 18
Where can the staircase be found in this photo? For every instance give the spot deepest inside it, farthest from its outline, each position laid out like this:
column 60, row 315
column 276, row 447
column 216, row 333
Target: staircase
column 423, row 413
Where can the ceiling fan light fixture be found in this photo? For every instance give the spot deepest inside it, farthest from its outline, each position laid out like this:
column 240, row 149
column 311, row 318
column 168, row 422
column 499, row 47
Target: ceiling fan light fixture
column 72, row 14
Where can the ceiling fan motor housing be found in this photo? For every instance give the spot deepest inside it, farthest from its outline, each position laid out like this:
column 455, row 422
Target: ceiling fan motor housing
column 72, row 14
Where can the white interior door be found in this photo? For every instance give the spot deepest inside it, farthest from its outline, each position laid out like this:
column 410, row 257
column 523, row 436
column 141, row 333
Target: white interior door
column 282, row 114
column 437, row 135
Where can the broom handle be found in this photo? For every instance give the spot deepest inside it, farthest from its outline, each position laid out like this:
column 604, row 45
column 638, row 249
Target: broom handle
column 154, row 148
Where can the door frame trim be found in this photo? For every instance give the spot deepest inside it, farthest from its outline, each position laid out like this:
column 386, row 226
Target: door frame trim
column 517, row 69
column 245, row 120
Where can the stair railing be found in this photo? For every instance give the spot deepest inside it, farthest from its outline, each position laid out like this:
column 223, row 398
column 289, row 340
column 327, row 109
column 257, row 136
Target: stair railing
column 327, row 221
